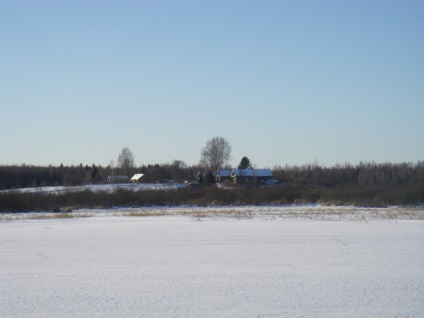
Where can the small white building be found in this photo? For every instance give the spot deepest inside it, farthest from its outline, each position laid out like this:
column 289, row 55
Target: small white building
column 136, row 178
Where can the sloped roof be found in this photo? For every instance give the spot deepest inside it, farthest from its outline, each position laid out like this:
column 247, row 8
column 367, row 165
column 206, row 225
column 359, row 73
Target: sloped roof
column 224, row 173
column 137, row 177
column 251, row 173
column 117, row 177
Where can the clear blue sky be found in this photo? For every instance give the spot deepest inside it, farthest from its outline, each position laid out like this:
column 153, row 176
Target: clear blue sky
column 285, row 82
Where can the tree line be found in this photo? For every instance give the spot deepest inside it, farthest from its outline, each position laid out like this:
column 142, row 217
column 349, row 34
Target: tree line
column 366, row 183
column 362, row 174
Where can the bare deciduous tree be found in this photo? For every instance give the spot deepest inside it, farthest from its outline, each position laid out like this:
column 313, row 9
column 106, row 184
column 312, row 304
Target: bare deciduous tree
column 126, row 160
column 216, row 154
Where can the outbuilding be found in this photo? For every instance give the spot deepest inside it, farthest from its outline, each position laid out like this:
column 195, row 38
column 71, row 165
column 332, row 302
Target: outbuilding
column 117, row 179
column 255, row 176
column 136, row 178
column 223, row 175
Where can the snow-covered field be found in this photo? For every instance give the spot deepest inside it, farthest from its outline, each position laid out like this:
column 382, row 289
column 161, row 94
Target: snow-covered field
column 244, row 262
column 100, row 188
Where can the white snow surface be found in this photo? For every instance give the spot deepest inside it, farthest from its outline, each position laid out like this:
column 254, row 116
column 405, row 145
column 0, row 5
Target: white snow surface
column 99, row 188
column 192, row 265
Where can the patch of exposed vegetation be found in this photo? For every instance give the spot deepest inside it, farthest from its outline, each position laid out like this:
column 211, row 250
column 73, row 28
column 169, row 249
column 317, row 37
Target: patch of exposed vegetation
column 283, row 194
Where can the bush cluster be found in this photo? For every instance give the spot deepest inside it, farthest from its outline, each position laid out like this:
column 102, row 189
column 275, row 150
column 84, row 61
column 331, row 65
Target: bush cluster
column 372, row 195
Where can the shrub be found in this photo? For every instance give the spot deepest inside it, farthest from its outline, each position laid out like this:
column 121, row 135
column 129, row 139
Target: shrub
column 371, row 195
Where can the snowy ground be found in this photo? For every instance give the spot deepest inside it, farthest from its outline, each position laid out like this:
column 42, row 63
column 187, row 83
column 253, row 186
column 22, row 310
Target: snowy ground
column 213, row 263
column 100, row 188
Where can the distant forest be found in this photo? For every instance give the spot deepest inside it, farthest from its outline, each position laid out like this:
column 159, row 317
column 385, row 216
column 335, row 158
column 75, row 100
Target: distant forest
column 365, row 174
column 365, row 184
